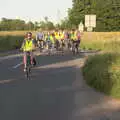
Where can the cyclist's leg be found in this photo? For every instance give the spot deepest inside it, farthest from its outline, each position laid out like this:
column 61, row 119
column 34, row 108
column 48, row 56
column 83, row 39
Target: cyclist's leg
column 63, row 43
column 33, row 60
column 78, row 44
column 66, row 43
column 51, row 47
column 42, row 44
column 57, row 44
column 74, row 47
column 72, row 42
column 38, row 43
column 25, row 61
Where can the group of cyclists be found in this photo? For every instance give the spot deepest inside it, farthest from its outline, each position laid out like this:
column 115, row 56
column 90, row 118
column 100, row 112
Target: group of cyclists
column 51, row 39
column 58, row 39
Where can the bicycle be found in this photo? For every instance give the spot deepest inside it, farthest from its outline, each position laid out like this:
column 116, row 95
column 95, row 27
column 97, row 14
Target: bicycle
column 57, row 45
column 28, row 65
column 49, row 47
column 75, row 47
column 69, row 45
column 62, row 46
column 40, row 45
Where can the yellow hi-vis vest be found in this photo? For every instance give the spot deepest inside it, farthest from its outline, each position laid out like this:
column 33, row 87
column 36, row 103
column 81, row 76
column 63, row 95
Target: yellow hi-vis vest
column 52, row 39
column 73, row 36
column 28, row 45
column 62, row 36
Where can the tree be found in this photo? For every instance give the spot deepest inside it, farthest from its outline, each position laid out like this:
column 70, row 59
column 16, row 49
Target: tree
column 65, row 24
column 12, row 24
column 107, row 12
column 30, row 25
column 50, row 25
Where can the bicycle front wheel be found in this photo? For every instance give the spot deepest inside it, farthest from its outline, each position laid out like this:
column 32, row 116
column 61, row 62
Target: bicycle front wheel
column 28, row 73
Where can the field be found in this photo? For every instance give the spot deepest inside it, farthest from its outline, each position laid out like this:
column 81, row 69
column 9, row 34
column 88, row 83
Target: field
column 99, row 40
column 90, row 40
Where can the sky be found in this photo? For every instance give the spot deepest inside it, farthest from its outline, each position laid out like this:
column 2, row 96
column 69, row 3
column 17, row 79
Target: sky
column 35, row 10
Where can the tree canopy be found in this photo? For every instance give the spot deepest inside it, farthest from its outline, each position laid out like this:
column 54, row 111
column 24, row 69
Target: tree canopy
column 17, row 24
column 107, row 13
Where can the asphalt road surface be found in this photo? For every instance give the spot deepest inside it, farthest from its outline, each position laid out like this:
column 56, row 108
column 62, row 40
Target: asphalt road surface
column 56, row 91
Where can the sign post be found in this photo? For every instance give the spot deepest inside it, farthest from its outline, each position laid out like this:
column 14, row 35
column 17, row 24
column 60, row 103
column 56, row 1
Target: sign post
column 81, row 27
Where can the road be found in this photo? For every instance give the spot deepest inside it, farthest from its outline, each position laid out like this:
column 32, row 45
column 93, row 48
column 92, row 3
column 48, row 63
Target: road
column 56, row 91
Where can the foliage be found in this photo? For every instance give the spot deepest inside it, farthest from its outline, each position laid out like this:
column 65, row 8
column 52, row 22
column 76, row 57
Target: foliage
column 17, row 24
column 107, row 12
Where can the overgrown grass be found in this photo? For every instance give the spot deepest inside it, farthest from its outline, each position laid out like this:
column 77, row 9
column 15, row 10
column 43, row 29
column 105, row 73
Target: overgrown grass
column 102, row 72
column 93, row 45
column 10, row 42
column 108, row 46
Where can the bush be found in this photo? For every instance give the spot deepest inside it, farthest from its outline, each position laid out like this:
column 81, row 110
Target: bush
column 103, row 73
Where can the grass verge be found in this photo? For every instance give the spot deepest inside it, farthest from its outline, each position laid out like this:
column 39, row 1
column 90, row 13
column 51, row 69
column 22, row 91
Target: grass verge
column 102, row 72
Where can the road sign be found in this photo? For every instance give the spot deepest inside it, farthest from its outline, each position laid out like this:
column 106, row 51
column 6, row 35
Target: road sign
column 90, row 20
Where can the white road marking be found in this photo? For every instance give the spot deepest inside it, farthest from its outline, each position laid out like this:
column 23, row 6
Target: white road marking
column 10, row 57
column 16, row 66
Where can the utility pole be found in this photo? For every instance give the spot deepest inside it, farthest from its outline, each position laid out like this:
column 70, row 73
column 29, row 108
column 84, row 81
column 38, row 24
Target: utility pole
column 58, row 15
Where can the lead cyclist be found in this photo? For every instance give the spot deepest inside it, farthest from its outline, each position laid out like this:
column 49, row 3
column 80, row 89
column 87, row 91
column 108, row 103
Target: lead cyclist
column 28, row 45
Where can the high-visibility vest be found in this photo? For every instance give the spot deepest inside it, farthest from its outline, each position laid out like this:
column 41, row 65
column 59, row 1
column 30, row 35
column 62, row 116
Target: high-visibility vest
column 52, row 39
column 28, row 45
column 73, row 36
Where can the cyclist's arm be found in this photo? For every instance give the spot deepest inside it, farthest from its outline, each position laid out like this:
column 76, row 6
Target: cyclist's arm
column 37, row 37
column 33, row 44
column 43, row 36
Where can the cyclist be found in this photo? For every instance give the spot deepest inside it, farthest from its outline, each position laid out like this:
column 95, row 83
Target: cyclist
column 40, row 38
column 78, row 36
column 74, row 40
column 62, row 39
column 57, row 39
column 28, row 45
column 50, row 41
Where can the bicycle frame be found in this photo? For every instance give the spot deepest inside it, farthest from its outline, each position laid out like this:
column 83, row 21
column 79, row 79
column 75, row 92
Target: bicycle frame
column 62, row 46
column 74, row 48
column 40, row 45
column 49, row 47
column 28, row 65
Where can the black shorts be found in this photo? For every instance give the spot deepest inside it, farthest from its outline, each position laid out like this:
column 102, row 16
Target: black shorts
column 40, row 40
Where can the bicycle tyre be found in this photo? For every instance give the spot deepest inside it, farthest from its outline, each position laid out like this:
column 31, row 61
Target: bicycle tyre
column 28, row 73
